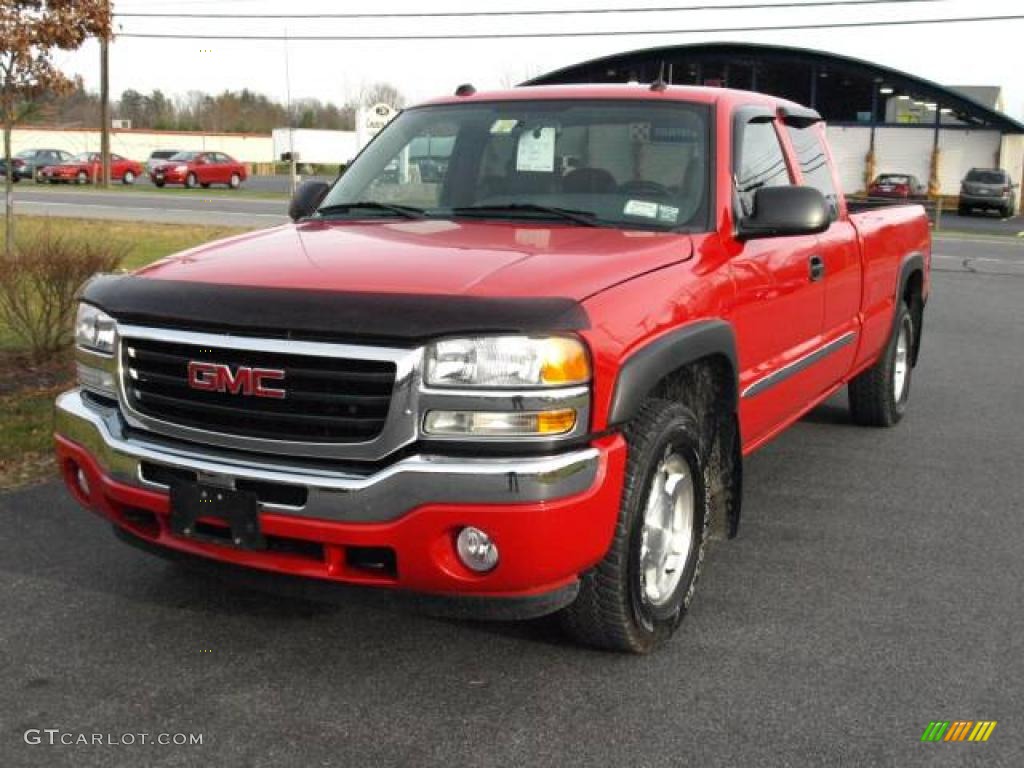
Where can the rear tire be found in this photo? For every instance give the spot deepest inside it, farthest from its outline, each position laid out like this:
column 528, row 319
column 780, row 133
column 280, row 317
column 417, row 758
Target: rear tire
column 159, row 184
column 82, row 178
column 236, row 181
column 879, row 395
column 636, row 597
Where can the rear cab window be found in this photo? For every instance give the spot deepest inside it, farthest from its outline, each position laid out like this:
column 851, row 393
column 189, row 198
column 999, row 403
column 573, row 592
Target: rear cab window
column 987, row 177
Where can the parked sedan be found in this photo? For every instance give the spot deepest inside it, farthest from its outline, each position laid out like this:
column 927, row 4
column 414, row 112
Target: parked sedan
column 87, row 168
column 29, row 162
column 987, row 188
column 902, row 186
column 195, row 169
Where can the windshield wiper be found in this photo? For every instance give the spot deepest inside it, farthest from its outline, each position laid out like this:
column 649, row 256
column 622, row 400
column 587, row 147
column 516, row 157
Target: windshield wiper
column 406, row 211
column 586, row 218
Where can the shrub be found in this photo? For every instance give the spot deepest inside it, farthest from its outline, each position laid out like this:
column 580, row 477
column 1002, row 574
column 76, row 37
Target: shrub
column 39, row 281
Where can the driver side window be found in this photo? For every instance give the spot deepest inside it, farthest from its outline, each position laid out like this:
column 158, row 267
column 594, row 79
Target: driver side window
column 761, row 163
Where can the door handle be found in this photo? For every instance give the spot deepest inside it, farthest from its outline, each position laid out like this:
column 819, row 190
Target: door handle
column 817, row 268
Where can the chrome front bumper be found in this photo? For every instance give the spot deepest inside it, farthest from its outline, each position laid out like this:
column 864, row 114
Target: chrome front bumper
column 332, row 494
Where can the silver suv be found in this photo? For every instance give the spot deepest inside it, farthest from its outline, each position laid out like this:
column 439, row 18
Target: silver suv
column 987, row 188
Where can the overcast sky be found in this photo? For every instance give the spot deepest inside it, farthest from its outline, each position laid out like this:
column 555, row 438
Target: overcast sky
column 976, row 54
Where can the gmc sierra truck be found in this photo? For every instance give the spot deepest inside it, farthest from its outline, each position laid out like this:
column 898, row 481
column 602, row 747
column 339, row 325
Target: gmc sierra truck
column 509, row 362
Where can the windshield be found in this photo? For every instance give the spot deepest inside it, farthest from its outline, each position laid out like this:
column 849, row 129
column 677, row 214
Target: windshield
column 987, row 177
column 893, row 179
column 26, row 153
column 163, row 155
column 183, row 156
column 614, row 163
column 82, row 157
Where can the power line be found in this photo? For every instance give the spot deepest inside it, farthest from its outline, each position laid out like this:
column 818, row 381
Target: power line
column 533, row 12
column 609, row 33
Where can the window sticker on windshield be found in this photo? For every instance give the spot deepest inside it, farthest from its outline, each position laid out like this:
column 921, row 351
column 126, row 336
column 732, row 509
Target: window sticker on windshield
column 668, row 212
column 641, row 208
column 504, row 125
column 536, row 151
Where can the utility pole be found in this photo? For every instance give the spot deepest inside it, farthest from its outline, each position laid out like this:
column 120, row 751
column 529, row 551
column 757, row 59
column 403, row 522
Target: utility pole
column 105, row 109
column 292, row 160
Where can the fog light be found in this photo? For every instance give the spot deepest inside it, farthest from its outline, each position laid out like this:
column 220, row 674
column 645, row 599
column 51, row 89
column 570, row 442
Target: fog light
column 476, row 550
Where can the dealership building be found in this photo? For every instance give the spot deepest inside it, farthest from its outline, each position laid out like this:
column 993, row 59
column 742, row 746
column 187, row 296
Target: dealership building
column 880, row 120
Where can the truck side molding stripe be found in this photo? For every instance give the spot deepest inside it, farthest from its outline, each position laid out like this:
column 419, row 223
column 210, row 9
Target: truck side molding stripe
column 792, row 369
column 651, row 363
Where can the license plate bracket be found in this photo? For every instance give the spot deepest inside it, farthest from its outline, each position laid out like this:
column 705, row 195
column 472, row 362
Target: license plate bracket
column 190, row 502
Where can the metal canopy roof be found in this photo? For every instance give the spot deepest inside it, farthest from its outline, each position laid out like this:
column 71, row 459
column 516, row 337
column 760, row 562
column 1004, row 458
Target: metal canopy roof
column 645, row 64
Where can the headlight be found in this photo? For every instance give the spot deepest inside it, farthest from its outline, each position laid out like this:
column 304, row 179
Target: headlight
column 507, row 362
column 94, row 330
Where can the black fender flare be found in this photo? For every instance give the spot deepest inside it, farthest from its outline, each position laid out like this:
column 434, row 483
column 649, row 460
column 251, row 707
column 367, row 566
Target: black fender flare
column 647, row 366
column 913, row 262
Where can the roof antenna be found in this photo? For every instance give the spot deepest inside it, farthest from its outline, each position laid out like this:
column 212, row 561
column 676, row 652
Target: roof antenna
column 466, row 89
column 660, row 84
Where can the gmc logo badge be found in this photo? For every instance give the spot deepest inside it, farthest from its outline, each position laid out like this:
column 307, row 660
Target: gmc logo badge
column 215, row 377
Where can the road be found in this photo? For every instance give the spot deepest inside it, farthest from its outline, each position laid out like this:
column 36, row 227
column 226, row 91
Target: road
column 876, row 585
column 147, row 203
column 150, row 204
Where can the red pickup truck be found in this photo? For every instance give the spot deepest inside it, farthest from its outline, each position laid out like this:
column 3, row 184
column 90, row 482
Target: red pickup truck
column 521, row 384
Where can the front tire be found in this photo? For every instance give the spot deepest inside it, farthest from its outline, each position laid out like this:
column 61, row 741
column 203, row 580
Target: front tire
column 635, row 599
column 82, row 178
column 879, row 395
column 191, row 181
column 128, row 179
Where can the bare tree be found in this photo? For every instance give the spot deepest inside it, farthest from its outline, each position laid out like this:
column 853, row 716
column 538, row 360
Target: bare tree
column 381, row 93
column 31, row 30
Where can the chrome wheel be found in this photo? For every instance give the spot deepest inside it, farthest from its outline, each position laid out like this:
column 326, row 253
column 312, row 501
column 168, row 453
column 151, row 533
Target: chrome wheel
column 901, row 365
column 667, row 538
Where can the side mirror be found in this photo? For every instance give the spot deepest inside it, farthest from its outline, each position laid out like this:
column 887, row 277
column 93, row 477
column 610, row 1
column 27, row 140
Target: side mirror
column 307, row 198
column 789, row 210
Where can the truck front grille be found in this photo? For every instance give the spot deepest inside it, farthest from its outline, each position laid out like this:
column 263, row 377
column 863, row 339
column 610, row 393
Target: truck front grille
column 326, row 399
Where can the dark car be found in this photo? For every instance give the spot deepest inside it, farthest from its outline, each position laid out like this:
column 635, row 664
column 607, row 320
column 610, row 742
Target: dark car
column 988, row 189
column 29, row 162
column 902, row 186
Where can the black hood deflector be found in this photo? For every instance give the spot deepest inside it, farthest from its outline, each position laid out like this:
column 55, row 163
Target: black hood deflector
column 321, row 314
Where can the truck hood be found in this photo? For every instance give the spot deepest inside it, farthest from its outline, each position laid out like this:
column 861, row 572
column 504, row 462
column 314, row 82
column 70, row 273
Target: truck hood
column 429, row 257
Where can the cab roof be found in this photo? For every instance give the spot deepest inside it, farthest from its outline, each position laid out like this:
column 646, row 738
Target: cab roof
column 620, row 92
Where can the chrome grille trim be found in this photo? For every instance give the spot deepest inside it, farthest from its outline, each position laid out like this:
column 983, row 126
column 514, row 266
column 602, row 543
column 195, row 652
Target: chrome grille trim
column 400, row 424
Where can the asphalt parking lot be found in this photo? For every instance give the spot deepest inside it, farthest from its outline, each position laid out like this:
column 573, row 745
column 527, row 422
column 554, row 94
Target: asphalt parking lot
column 877, row 584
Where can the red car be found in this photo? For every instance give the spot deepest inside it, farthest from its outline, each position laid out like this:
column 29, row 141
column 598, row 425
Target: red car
column 901, row 186
column 194, row 169
column 87, row 168
column 525, row 386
